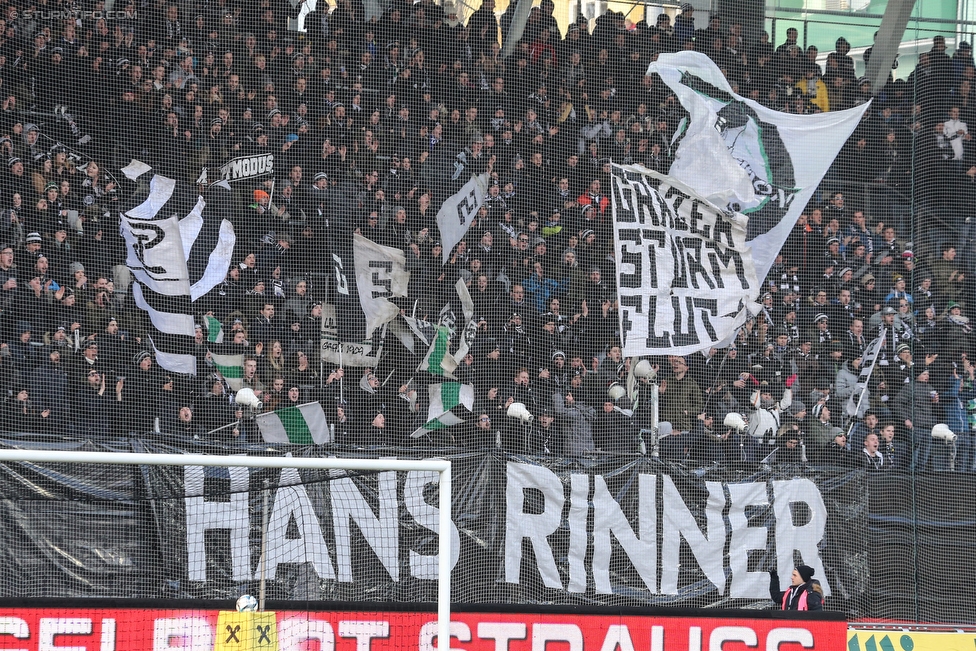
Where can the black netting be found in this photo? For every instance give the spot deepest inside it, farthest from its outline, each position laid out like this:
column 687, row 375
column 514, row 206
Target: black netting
column 200, row 201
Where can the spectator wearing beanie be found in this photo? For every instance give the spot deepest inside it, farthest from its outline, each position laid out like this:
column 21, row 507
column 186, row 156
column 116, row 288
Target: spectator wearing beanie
column 802, row 594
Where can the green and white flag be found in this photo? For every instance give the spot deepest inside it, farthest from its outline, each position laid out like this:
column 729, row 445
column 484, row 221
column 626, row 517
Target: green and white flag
column 215, row 330
column 438, row 360
column 230, row 365
column 448, row 402
column 302, row 425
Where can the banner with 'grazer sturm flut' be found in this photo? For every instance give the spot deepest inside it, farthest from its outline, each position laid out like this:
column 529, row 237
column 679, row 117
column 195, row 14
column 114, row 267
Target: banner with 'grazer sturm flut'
column 685, row 274
column 694, row 244
column 125, row 629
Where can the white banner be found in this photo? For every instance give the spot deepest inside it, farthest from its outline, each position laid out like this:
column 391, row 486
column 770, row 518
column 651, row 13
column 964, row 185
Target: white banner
column 685, row 276
column 346, row 353
column 739, row 154
column 458, row 212
column 380, row 274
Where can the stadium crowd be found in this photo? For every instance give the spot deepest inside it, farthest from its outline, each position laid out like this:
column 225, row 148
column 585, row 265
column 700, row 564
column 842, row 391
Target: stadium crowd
column 361, row 116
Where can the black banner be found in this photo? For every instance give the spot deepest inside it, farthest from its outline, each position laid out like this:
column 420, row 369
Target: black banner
column 602, row 531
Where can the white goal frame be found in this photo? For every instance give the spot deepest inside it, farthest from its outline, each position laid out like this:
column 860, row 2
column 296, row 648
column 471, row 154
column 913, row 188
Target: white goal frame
column 441, row 466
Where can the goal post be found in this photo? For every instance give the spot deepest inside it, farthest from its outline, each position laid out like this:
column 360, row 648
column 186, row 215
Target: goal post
column 441, row 466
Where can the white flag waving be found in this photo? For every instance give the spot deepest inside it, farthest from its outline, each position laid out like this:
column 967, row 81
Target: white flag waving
column 380, row 275
column 178, row 248
column 459, row 210
column 751, row 159
column 685, row 275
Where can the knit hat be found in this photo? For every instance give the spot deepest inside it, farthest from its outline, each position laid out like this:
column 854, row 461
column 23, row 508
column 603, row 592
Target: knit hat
column 141, row 355
column 261, row 194
column 33, row 237
column 805, row 572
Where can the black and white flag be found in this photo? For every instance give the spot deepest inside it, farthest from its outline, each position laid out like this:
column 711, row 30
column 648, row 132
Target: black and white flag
column 748, row 158
column 858, row 403
column 685, row 276
column 380, row 275
column 344, row 352
column 459, row 210
column 178, row 247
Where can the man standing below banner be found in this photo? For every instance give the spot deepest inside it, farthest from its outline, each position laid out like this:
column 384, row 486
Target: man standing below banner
column 681, row 398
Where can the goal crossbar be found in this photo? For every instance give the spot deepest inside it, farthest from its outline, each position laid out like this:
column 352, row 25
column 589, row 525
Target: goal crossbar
column 440, row 466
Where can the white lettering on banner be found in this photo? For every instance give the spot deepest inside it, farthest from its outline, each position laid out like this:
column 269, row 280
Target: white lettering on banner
column 247, row 167
column 426, row 515
column 536, row 506
column 804, row 538
column 292, row 502
column 707, row 547
column 520, row 525
column 685, row 274
column 678, row 523
column 578, row 510
column 609, row 518
column 745, row 539
column 202, row 515
column 381, row 533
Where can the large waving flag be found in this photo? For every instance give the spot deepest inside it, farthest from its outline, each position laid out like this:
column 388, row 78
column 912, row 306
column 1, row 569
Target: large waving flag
column 380, row 275
column 743, row 156
column 693, row 246
column 178, row 248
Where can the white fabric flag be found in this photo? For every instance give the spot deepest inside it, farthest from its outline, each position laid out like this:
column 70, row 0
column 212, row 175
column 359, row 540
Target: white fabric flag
column 380, row 274
column 459, row 210
column 685, row 276
column 346, row 353
column 154, row 254
column 742, row 155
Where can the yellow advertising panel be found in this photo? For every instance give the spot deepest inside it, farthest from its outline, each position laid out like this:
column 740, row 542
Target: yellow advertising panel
column 247, row 631
column 867, row 640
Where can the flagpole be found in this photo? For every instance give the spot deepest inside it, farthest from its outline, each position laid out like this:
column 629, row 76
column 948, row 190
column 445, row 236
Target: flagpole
column 341, row 396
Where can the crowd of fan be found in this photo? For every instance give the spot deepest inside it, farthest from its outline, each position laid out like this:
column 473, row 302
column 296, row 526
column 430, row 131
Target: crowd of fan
column 360, row 115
